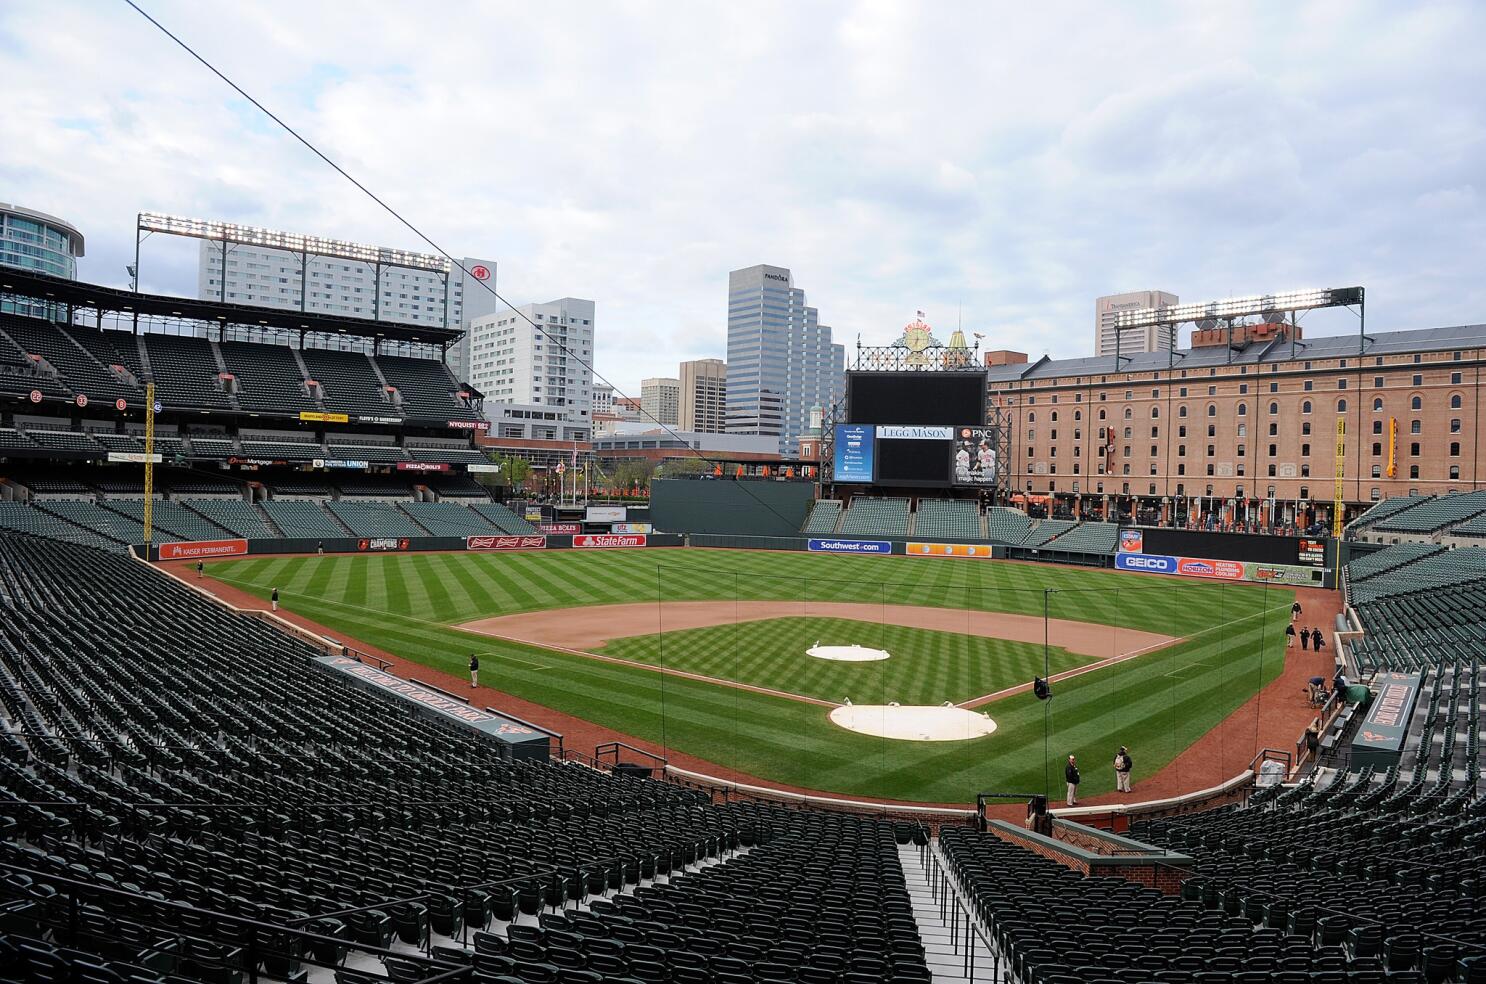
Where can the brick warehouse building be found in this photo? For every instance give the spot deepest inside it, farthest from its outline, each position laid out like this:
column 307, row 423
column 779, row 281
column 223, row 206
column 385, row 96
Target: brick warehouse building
column 1243, row 428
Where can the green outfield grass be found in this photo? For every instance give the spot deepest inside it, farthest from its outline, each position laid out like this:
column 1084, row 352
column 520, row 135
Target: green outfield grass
column 1158, row 703
column 927, row 667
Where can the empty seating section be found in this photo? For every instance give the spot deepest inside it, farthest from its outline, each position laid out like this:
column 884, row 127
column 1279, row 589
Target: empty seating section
column 1089, row 538
column 105, row 522
column 448, row 519
column 186, row 760
column 457, row 487
column 1435, row 515
column 111, row 349
column 870, row 516
column 372, row 453
column 823, row 518
column 375, row 486
column 268, row 377
column 374, row 519
column 1367, row 868
column 302, row 518
column 71, row 443
column 454, row 456
column 504, row 519
column 184, row 371
column 1476, row 527
column 348, row 382
column 1442, row 625
column 171, row 518
column 19, row 374
column 1386, row 508
column 183, row 484
column 1438, row 570
column 213, row 447
column 1007, row 525
column 235, row 516
column 1388, row 559
column 282, row 450
column 19, row 517
column 955, row 519
column 1444, row 747
column 118, row 442
column 79, row 371
column 13, row 440
column 427, row 387
column 1047, row 531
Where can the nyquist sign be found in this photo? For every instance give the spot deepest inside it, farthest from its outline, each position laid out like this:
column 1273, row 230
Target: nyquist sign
column 1149, row 563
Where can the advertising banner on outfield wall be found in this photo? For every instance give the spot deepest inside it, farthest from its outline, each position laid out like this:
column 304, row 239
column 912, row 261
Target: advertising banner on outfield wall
column 629, row 528
column 949, row 549
column 566, row 529
column 1217, row 570
column 604, row 514
column 203, row 549
column 383, row 543
column 1132, row 541
column 525, row 542
column 598, row 541
column 835, row 545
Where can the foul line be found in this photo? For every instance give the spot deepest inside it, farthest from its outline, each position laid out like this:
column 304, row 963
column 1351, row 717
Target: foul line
column 684, row 674
column 1022, row 688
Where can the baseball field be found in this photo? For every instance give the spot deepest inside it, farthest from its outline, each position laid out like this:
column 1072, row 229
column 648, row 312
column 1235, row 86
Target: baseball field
column 1149, row 662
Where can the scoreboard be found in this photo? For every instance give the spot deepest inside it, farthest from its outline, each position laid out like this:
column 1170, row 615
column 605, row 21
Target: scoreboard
column 916, row 429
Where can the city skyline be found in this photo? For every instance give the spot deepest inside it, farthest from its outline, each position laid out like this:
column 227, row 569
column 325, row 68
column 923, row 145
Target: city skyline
column 886, row 185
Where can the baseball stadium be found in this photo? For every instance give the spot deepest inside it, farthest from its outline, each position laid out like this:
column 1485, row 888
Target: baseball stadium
column 356, row 628
column 296, row 689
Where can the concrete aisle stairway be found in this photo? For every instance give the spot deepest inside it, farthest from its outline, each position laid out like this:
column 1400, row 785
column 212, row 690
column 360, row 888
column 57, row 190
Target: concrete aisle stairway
column 944, row 943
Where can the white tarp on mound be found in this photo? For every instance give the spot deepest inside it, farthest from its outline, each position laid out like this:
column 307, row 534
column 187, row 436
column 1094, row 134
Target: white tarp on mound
column 914, row 722
column 847, row 654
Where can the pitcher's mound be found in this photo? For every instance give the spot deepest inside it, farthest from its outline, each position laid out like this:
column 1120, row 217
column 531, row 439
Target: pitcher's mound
column 846, row 654
column 915, row 722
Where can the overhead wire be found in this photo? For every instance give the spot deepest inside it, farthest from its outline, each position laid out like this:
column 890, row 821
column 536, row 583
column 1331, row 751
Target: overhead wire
column 420, row 234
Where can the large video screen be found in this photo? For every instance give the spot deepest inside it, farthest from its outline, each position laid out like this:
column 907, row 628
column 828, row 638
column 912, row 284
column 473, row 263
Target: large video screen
column 944, row 398
column 912, row 461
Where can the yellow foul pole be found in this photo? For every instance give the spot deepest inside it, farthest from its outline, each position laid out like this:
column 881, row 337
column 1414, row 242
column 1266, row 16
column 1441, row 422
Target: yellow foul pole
column 1340, row 493
column 149, row 463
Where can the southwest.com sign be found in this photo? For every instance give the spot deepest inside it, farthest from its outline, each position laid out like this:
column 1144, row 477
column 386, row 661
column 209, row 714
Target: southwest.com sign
column 850, row 546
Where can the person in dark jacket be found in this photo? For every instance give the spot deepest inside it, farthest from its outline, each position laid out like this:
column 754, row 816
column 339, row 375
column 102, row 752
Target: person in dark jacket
column 1295, row 612
column 1123, row 763
column 1317, row 640
column 200, row 567
column 1290, row 636
column 1305, row 639
column 273, row 599
column 1070, row 776
column 474, row 670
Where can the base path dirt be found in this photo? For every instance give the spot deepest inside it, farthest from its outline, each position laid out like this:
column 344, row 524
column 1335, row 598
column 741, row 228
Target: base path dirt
column 592, row 626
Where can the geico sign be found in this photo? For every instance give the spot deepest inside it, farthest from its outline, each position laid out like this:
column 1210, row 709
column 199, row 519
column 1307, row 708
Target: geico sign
column 1151, row 563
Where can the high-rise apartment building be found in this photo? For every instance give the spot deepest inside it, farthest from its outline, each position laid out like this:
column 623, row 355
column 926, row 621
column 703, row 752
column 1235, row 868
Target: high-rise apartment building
column 539, row 355
column 1135, row 340
column 278, row 269
column 40, row 243
column 781, row 361
column 704, row 387
column 660, row 399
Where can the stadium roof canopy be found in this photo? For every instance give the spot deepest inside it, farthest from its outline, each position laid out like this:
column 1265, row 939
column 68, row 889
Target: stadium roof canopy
column 111, row 300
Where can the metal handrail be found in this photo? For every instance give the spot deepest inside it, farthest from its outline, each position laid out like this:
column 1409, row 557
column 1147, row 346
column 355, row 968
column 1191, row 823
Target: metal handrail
column 608, row 747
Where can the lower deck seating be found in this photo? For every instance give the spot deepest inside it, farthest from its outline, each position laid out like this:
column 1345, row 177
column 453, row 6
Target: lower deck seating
column 302, row 518
column 375, row 519
column 234, row 515
column 504, row 519
column 448, row 519
column 824, row 515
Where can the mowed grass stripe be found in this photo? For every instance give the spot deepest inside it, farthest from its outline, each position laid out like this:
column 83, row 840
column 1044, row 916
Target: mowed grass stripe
column 1136, row 702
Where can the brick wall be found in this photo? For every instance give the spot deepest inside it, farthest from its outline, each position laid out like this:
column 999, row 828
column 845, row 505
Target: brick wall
column 1158, row 872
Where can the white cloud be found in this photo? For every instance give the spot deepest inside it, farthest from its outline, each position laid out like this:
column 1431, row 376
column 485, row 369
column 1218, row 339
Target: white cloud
column 896, row 156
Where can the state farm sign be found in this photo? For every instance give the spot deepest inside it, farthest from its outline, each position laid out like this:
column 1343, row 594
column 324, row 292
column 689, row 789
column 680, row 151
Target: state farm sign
column 596, row 541
column 505, row 542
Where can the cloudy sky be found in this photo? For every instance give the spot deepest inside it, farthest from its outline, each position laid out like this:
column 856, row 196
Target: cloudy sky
column 1012, row 161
